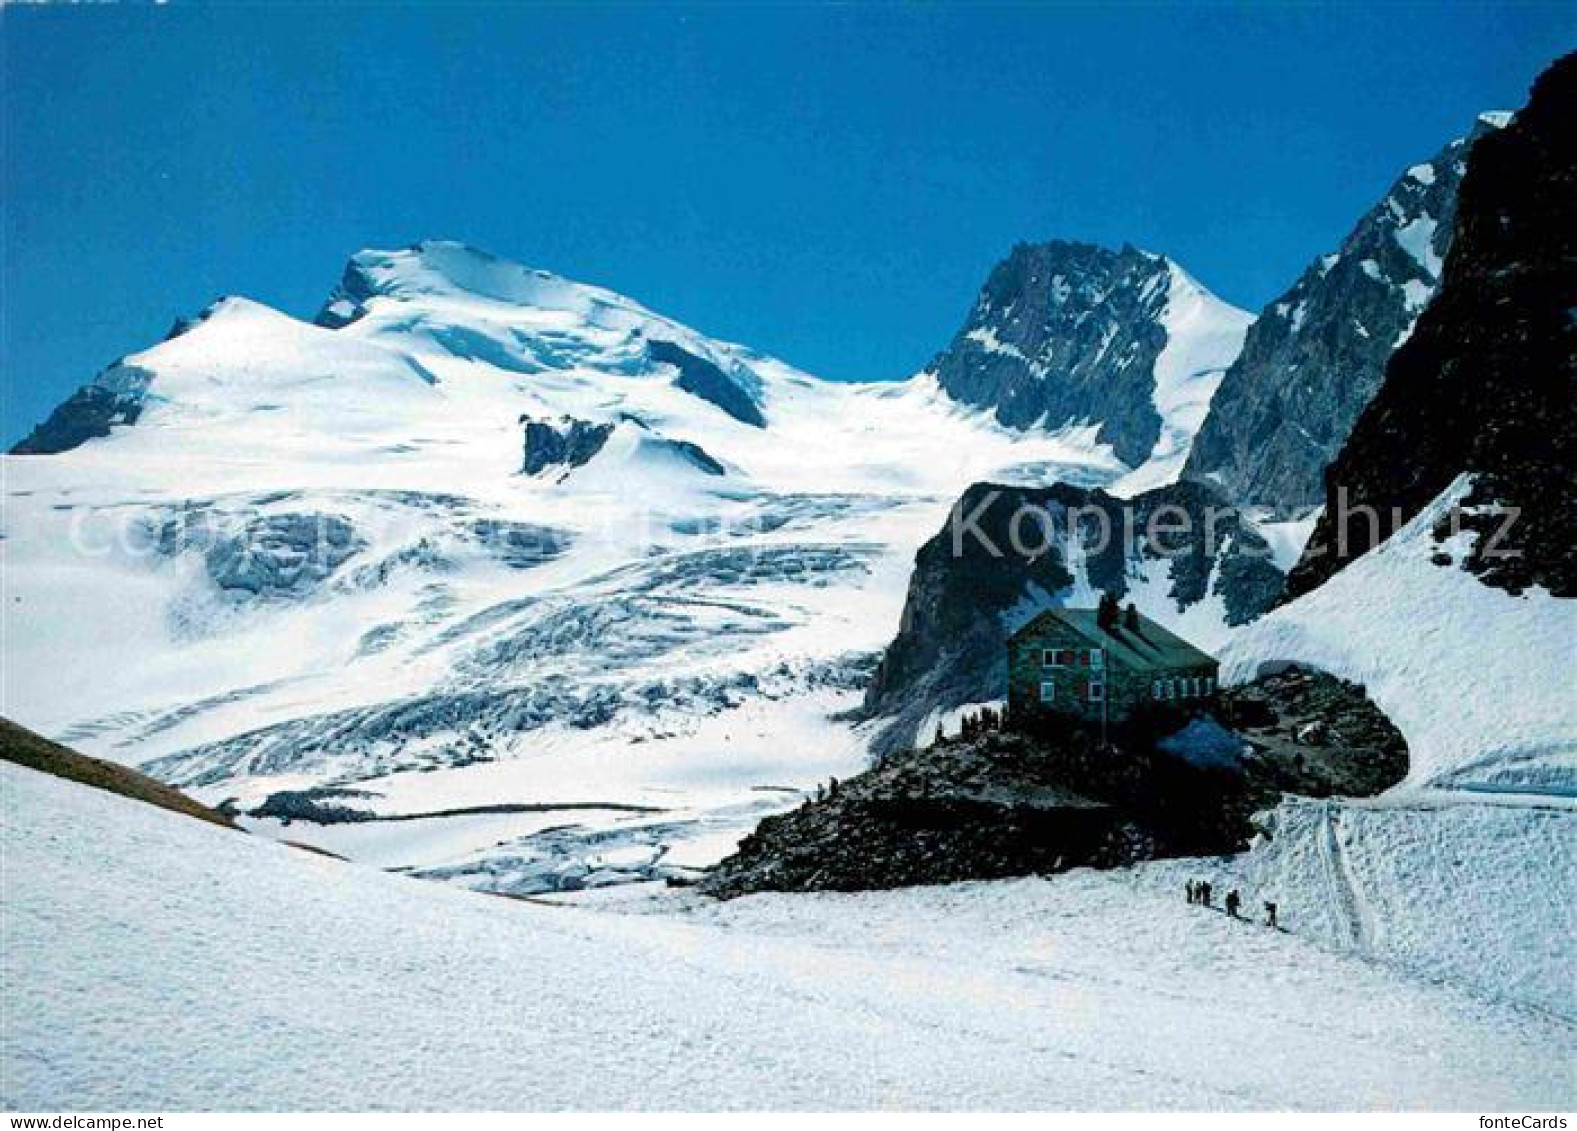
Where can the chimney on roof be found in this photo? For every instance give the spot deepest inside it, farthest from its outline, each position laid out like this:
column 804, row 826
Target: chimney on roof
column 1107, row 612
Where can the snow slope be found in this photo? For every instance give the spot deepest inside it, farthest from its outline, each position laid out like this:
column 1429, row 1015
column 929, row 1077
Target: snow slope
column 151, row 961
column 1481, row 894
column 1480, row 682
column 314, row 561
column 1203, row 338
column 1467, row 870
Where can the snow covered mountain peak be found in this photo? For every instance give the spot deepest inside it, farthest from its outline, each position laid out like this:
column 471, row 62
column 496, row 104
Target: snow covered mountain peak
column 436, row 316
column 482, row 535
column 433, row 272
column 1066, row 332
column 473, row 305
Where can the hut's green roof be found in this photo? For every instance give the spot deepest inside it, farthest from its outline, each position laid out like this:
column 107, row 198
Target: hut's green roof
column 1151, row 648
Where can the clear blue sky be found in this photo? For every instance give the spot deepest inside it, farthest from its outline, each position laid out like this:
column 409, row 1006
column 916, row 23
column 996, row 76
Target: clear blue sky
column 829, row 184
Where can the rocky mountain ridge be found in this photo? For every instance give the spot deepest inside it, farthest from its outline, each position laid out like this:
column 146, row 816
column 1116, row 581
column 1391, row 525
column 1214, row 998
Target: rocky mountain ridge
column 1005, row 552
column 1066, row 333
column 1485, row 385
column 1316, row 355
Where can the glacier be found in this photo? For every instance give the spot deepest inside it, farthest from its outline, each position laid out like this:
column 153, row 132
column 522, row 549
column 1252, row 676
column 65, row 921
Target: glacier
column 316, row 556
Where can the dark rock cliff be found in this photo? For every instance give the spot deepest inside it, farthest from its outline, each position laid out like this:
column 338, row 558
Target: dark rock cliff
column 1064, row 332
column 566, row 443
column 701, row 378
column 1005, row 553
column 1487, row 384
column 115, row 398
column 1317, row 354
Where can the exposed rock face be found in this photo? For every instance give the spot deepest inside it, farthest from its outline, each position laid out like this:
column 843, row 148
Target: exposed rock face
column 347, row 301
column 116, row 397
column 1487, row 384
column 694, row 455
column 702, row 378
column 1017, row 802
column 1065, row 332
column 1317, row 354
column 320, row 805
column 1315, row 735
column 992, row 566
column 1001, row 804
column 567, row 443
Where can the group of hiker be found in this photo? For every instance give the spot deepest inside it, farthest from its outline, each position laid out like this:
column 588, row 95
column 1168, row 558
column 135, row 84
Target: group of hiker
column 1200, row 892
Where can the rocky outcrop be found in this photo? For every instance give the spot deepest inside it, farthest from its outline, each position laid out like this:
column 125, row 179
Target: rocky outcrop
column 691, row 454
column 561, row 446
column 348, row 300
column 566, row 443
column 25, row 748
column 1485, row 386
column 1006, row 552
column 1317, row 354
column 702, row 378
column 115, row 398
column 996, row 805
column 1315, row 735
column 1065, row 332
column 1045, row 799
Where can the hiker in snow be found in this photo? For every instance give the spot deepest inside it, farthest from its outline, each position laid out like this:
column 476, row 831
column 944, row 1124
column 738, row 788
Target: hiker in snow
column 1234, row 901
column 1193, row 895
column 1270, row 914
column 1202, row 889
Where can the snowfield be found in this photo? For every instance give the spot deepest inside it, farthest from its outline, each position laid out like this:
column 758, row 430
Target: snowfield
column 315, row 561
column 1482, row 683
column 151, row 961
column 1467, row 870
column 1480, row 895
